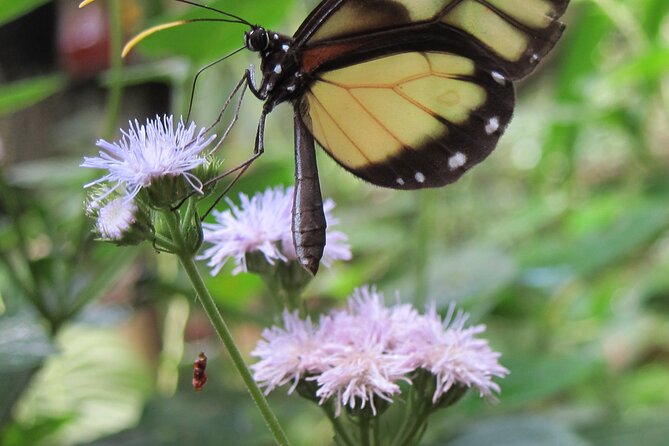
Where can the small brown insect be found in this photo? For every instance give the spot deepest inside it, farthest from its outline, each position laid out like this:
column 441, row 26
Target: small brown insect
column 199, row 374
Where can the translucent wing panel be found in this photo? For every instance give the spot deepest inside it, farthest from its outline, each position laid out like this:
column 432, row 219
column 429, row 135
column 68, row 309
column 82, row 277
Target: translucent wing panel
column 518, row 33
column 408, row 120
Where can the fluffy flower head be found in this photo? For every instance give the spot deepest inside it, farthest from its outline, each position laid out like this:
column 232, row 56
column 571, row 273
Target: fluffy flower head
column 115, row 218
column 361, row 369
column 262, row 224
column 360, row 354
column 150, row 151
column 287, row 354
column 454, row 354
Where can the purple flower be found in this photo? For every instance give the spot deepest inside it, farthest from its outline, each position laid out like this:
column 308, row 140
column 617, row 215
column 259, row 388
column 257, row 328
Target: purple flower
column 262, row 224
column 148, row 152
column 287, row 354
column 453, row 353
column 361, row 353
column 360, row 368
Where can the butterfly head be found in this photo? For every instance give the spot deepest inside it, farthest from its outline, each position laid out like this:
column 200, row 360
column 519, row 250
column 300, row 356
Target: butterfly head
column 257, row 39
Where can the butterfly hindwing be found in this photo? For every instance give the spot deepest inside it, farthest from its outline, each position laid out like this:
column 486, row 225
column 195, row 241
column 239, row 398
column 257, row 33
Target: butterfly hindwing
column 515, row 33
column 408, row 119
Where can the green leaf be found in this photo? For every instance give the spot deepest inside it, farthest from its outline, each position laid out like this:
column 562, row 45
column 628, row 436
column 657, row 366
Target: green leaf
column 604, row 245
column 651, row 65
column 13, row 9
column 536, row 378
column 521, row 430
column 647, row 432
column 202, row 419
column 98, row 380
column 655, row 13
column 18, row 435
column 25, row 93
column 23, row 343
column 50, row 174
column 473, row 271
column 23, row 348
column 106, row 273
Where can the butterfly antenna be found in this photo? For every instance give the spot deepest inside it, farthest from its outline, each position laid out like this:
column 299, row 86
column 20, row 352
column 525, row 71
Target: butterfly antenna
column 200, row 71
column 154, row 29
column 211, row 8
column 236, row 18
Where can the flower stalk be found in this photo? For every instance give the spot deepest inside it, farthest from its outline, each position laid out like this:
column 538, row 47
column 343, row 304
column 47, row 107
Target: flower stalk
column 187, row 261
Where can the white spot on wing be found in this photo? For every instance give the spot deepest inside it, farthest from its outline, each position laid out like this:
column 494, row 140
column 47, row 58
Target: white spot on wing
column 498, row 77
column 420, row 177
column 457, row 160
column 278, row 69
column 492, row 126
column 400, row 181
column 534, row 58
column 285, row 47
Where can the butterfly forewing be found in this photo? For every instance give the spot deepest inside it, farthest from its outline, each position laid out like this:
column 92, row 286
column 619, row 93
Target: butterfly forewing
column 515, row 33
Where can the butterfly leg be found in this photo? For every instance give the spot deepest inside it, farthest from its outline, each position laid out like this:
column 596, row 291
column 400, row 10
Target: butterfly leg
column 246, row 82
column 308, row 225
column 243, row 85
column 258, row 149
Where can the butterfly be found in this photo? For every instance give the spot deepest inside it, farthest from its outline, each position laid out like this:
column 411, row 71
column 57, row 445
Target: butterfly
column 404, row 94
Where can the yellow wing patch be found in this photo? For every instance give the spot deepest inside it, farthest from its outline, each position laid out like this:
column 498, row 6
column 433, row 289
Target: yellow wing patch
column 537, row 14
column 492, row 30
column 367, row 113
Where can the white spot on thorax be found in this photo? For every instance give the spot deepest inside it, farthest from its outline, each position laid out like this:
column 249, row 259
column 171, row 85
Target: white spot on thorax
column 285, row 47
column 278, row 69
column 420, row 177
column 492, row 126
column 400, row 181
column 498, row 77
column 457, row 160
column 275, row 36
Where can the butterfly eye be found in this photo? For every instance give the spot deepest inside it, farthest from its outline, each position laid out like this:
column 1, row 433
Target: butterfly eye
column 256, row 39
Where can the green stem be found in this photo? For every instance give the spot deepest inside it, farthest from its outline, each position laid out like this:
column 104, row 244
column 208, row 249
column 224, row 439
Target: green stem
column 418, row 422
column 223, row 331
column 115, row 91
column 376, row 431
column 408, row 412
column 364, row 430
column 338, row 427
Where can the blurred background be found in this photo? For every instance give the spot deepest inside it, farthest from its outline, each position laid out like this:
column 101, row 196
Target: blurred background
column 559, row 242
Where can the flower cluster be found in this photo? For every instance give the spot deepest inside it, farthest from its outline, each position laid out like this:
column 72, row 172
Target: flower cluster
column 158, row 152
column 262, row 224
column 361, row 354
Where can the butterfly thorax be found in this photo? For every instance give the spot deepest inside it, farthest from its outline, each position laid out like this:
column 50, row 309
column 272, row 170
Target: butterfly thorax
column 282, row 79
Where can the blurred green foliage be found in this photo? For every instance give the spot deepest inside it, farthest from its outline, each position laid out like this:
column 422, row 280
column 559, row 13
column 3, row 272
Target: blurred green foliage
column 559, row 243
